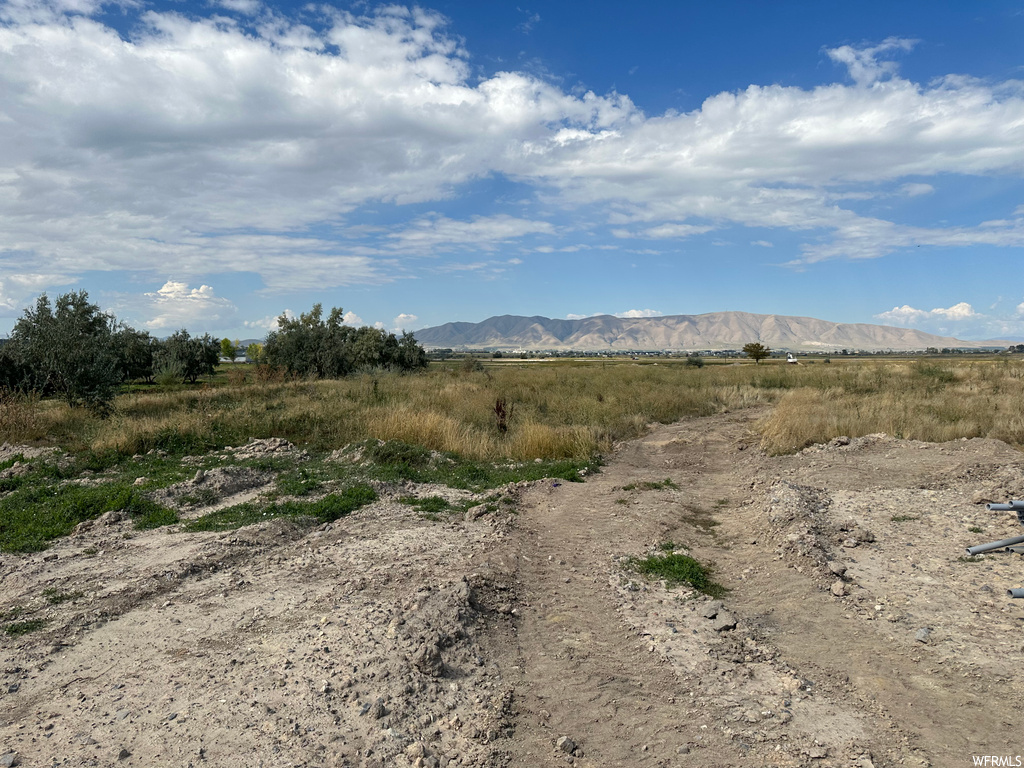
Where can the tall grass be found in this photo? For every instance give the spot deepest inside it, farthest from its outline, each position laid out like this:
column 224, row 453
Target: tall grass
column 565, row 410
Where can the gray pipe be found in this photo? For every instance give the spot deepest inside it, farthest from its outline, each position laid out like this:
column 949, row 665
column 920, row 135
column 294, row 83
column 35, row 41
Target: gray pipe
column 1017, row 592
column 1013, row 506
column 977, row 550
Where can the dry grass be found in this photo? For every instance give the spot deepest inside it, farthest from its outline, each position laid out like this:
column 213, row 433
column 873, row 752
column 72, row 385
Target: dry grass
column 916, row 401
column 564, row 410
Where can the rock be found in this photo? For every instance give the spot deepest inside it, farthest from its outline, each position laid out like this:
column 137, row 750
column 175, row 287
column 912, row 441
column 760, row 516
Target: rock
column 711, row 609
column 9, row 760
column 850, row 543
column 378, row 710
column 923, row 634
column 475, row 513
column 428, row 660
column 112, row 517
column 864, row 535
column 725, row 621
column 837, row 568
column 200, row 476
column 838, row 589
column 123, row 754
column 565, row 744
column 140, row 481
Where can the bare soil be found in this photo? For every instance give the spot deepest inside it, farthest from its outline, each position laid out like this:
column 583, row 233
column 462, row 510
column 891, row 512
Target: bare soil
column 853, row 632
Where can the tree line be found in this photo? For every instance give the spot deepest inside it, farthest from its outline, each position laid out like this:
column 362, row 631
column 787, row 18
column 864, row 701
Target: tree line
column 73, row 350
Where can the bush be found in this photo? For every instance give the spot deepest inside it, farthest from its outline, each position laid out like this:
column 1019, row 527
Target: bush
column 66, row 350
column 187, row 356
column 311, row 346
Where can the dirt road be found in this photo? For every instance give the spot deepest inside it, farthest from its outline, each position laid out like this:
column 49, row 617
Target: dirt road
column 852, row 632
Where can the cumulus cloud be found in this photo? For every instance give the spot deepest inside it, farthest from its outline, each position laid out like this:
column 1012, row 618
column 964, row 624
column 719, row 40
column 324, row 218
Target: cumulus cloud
column 224, row 143
column 176, row 305
column 404, row 322
column 351, row 318
column 268, row 323
column 640, row 313
column 960, row 320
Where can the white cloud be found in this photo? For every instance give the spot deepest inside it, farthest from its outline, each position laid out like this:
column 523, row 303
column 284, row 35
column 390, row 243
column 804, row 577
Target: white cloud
column 219, row 144
column 640, row 313
column 351, row 318
column 177, row 306
column 166, row 145
column 762, row 244
column 268, row 323
column 18, row 289
column 404, row 322
column 915, row 190
column 482, row 232
column 863, row 63
column 960, row 320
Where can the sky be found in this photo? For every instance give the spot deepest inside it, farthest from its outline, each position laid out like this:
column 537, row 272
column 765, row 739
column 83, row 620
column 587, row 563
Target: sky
column 211, row 165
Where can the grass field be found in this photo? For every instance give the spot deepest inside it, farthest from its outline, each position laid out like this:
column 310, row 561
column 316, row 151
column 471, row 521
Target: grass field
column 475, row 430
column 562, row 409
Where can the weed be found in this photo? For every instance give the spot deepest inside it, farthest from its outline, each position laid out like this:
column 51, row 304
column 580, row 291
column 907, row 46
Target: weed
column 904, row 518
column 24, row 627
column 12, row 614
column 649, row 485
column 35, row 514
column 55, row 596
column 299, row 482
column 677, row 569
column 970, row 559
column 156, row 517
column 90, row 551
column 976, row 529
column 323, row 510
column 202, row 497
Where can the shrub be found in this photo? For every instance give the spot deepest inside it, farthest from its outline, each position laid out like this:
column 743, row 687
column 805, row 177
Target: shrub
column 66, row 350
column 311, row 346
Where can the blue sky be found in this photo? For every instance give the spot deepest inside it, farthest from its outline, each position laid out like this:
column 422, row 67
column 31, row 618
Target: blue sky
column 212, row 165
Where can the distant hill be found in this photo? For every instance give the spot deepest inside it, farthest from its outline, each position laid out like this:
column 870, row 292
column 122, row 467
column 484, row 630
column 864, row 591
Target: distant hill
column 712, row 331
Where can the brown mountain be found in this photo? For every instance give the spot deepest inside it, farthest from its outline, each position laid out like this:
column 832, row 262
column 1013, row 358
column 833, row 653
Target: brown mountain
column 714, row 331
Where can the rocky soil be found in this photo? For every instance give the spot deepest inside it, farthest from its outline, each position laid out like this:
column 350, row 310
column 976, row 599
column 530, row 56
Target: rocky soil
column 854, row 632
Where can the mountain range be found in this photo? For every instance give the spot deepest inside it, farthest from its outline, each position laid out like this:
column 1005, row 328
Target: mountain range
column 711, row 331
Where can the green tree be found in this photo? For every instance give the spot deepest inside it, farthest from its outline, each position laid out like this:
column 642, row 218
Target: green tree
column 189, row 356
column 66, row 349
column 756, row 352
column 134, row 350
column 254, row 351
column 227, row 349
column 310, row 345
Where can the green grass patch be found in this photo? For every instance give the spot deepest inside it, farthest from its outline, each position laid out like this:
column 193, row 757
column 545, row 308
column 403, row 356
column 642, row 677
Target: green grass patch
column 19, row 628
column 34, row 515
column 396, row 461
column 970, row 559
column 324, row 510
column 904, row 518
column 298, row 482
column 56, row 596
column 976, row 529
column 677, row 569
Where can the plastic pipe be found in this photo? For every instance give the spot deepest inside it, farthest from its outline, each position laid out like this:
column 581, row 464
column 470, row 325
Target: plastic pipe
column 1012, row 506
column 1017, row 592
column 978, row 549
